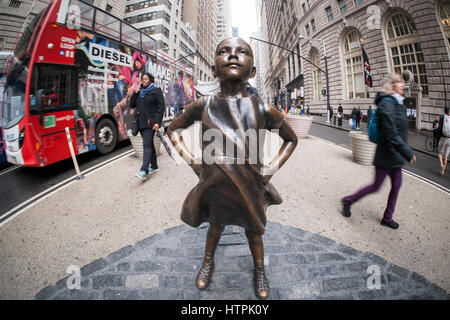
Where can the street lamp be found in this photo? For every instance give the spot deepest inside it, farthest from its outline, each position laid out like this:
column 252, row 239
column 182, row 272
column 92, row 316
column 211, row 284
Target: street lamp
column 326, row 73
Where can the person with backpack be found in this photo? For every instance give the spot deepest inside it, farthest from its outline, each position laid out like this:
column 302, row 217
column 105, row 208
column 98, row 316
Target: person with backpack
column 392, row 148
column 444, row 141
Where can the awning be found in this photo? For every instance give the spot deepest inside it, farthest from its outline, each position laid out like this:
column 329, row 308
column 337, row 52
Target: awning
column 296, row 83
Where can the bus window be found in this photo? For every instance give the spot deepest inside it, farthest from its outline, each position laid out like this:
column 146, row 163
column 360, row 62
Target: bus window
column 59, row 84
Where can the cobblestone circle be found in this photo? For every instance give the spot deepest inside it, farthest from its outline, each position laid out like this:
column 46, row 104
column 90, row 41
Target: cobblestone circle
column 299, row 265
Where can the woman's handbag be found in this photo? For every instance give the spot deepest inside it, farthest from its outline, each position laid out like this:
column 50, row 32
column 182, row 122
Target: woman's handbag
column 135, row 128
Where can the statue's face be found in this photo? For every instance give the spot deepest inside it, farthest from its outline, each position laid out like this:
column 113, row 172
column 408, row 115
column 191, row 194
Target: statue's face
column 234, row 60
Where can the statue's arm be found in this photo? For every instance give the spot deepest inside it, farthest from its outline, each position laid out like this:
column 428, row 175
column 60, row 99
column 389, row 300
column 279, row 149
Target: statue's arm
column 287, row 148
column 192, row 113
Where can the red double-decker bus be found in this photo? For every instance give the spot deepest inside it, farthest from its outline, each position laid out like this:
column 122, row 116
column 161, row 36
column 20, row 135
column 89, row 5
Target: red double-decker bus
column 77, row 66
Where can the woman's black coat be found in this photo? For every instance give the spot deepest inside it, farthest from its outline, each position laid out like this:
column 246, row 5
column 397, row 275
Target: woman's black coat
column 151, row 107
column 393, row 149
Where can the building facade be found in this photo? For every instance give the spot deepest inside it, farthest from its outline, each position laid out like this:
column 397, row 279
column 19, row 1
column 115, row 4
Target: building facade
column 162, row 20
column 224, row 29
column 201, row 15
column 395, row 35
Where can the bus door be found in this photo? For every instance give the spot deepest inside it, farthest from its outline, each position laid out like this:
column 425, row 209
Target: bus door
column 56, row 86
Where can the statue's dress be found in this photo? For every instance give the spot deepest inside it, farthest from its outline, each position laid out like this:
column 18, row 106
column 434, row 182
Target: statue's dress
column 231, row 191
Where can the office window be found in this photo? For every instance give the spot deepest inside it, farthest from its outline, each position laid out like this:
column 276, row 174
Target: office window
column 316, row 76
column 342, row 6
column 308, row 31
column 309, row 4
column 445, row 19
column 304, row 8
column 313, row 25
column 329, row 12
column 108, row 8
column 405, row 49
column 357, row 2
column 354, row 68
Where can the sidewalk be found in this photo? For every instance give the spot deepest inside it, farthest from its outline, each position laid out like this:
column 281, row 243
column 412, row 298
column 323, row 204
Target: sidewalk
column 128, row 239
column 415, row 141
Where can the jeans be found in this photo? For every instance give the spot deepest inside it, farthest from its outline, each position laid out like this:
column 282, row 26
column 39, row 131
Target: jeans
column 149, row 150
column 380, row 175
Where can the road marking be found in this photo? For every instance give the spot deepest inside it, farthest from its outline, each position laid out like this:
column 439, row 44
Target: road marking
column 411, row 174
column 16, row 211
column 10, row 169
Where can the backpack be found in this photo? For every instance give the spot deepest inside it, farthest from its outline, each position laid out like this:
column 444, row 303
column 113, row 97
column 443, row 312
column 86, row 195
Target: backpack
column 446, row 126
column 372, row 128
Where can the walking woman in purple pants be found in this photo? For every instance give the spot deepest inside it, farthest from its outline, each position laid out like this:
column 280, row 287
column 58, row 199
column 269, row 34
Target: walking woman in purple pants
column 392, row 149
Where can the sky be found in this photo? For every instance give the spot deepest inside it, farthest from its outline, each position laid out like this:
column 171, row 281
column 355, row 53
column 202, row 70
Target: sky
column 243, row 16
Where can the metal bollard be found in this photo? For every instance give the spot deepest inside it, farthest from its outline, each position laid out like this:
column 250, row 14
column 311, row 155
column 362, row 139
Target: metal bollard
column 72, row 152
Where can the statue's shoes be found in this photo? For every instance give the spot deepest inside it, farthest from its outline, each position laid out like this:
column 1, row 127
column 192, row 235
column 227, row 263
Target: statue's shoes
column 204, row 275
column 261, row 283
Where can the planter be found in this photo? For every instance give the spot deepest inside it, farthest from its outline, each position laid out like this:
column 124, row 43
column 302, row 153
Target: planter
column 136, row 142
column 363, row 150
column 300, row 124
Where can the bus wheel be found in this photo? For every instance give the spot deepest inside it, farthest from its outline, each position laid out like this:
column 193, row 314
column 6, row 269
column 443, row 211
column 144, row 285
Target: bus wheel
column 106, row 136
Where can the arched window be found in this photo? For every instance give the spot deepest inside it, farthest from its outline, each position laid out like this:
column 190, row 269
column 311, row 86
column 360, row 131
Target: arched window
column 405, row 49
column 317, row 77
column 444, row 12
column 354, row 66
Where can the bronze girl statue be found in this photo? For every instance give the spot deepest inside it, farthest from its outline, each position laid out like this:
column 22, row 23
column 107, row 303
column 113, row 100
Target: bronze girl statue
column 234, row 187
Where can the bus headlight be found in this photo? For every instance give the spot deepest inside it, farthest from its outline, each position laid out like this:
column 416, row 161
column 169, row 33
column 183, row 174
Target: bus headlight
column 21, row 137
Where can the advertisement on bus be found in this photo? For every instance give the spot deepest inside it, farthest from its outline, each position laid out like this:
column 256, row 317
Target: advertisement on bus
column 109, row 74
column 2, row 144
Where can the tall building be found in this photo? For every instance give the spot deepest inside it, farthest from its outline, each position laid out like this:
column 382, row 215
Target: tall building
column 201, row 16
column 391, row 36
column 223, row 19
column 235, row 32
column 17, row 14
column 162, row 20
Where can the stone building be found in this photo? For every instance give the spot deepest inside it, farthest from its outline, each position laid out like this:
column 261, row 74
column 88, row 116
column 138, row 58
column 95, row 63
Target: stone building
column 201, row 15
column 396, row 35
column 162, row 20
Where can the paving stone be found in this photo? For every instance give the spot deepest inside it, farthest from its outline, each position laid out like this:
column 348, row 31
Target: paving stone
column 323, row 271
column 149, row 241
column 348, row 251
column 123, row 267
column 76, row 295
column 375, row 260
column 93, row 267
column 46, row 293
column 398, row 271
column 150, row 266
column 354, row 267
column 341, row 284
column 159, row 294
column 142, row 281
column 299, row 259
column 329, row 257
column 170, row 253
column 372, row 295
column 320, row 239
column 121, row 295
column 437, row 291
column 301, row 291
column 298, row 233
column 121, row 254
column 171, row 281
column 299, row 265
column 107, row 281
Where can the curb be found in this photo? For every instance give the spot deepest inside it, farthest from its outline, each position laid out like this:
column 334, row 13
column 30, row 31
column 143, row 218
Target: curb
column 348, row 130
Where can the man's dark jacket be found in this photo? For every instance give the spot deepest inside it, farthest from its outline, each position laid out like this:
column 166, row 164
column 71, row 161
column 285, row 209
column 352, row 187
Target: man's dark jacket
column 393, row 149
column 151, row 107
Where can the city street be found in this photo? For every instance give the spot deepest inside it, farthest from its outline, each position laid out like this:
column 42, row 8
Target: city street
column 118, row 230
